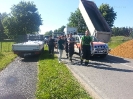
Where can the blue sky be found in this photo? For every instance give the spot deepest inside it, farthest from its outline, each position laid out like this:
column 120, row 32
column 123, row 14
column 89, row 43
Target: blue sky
column 55, row 13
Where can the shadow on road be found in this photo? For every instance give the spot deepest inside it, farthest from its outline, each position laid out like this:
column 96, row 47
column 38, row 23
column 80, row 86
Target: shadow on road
column 108, row 59
column 102, row 63
column 44, row 56
column 30, row 59
column 102, row 66
column 115, row 59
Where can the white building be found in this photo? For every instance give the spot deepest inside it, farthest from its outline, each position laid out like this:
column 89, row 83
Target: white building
column 69, row 30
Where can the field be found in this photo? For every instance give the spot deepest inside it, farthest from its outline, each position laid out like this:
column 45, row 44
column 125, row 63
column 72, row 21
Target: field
column 6, row 54
column 117, row 40
column 55, row 81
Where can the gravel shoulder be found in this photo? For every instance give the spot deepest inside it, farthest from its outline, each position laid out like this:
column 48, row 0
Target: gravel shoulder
column 18, row 80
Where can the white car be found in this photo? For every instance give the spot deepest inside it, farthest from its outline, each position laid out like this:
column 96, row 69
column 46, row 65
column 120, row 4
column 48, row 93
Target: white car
column 101, row 49
column 34, row 46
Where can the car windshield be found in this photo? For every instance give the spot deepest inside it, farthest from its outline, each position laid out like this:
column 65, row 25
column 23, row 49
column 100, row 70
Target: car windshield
column 35, row 37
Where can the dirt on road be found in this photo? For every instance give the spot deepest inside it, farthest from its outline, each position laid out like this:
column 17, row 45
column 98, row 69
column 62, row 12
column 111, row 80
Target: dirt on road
column 124, row 50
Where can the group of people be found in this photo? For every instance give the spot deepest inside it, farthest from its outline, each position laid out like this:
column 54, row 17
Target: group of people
column 67, row 43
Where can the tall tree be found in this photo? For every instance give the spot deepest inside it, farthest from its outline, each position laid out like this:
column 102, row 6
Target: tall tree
column 61, row 29
column 24, row 19
column 76, row 20
column 1, row 27
column 108, row 13
column 48, row 32
column 55, row 31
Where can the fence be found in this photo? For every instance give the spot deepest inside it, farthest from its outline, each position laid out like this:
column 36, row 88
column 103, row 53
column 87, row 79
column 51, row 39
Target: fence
column 6, row 43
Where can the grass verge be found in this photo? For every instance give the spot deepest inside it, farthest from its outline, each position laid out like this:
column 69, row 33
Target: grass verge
column 117, row 40
column 6, row 55
column 55, row 81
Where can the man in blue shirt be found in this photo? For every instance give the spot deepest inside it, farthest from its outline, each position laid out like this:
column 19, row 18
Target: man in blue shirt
column 61, row 44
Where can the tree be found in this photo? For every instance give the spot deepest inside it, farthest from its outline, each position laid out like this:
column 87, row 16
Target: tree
column 61, row 29
column 48, row 32
column 24, row 19
column 76, row 20
column 3, row 15
column 55, row 31
column 1, row 27
column 108, row 13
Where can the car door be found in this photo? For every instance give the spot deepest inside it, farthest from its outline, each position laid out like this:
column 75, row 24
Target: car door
column 77, row 44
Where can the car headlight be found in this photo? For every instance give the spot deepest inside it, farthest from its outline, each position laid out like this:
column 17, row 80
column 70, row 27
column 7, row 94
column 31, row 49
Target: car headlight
column 106, row 46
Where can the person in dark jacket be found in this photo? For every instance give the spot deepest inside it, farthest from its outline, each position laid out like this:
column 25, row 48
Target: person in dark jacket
column 71, row 42
column 66, row 45
column 51, row 44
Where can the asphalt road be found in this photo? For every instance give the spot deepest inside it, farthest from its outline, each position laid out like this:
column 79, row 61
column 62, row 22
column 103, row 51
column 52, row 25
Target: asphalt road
column 109, row 78
column 18, row 80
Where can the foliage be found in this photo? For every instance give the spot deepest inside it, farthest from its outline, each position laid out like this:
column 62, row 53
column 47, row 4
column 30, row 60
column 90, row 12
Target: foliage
column 108, row 13
column 55, row 81
column 6, row 54
column 56, row 31
column 76, row 20
column 48, row 32
column 61, row 29
column 117, row 40
column 1, row 27
column 122, row 31
column 11, row 28
column 2, row 34
column 23, row 19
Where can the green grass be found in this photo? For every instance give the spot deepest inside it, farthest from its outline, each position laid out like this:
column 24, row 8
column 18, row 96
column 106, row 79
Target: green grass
column 117, row 40
column 55, row 81
column 6, row 55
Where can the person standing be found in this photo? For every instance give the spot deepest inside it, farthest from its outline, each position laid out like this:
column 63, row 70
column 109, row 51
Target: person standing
column 61, row 45
column 66, row 45
column 57, row 43
column 51, row 44
column 71, row 42
column 86, row 45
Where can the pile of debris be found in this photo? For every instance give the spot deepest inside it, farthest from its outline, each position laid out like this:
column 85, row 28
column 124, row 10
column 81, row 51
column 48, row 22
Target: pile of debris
column 124, row 50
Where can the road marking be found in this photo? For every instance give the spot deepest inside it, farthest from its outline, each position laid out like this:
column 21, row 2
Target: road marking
column 120, row 63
